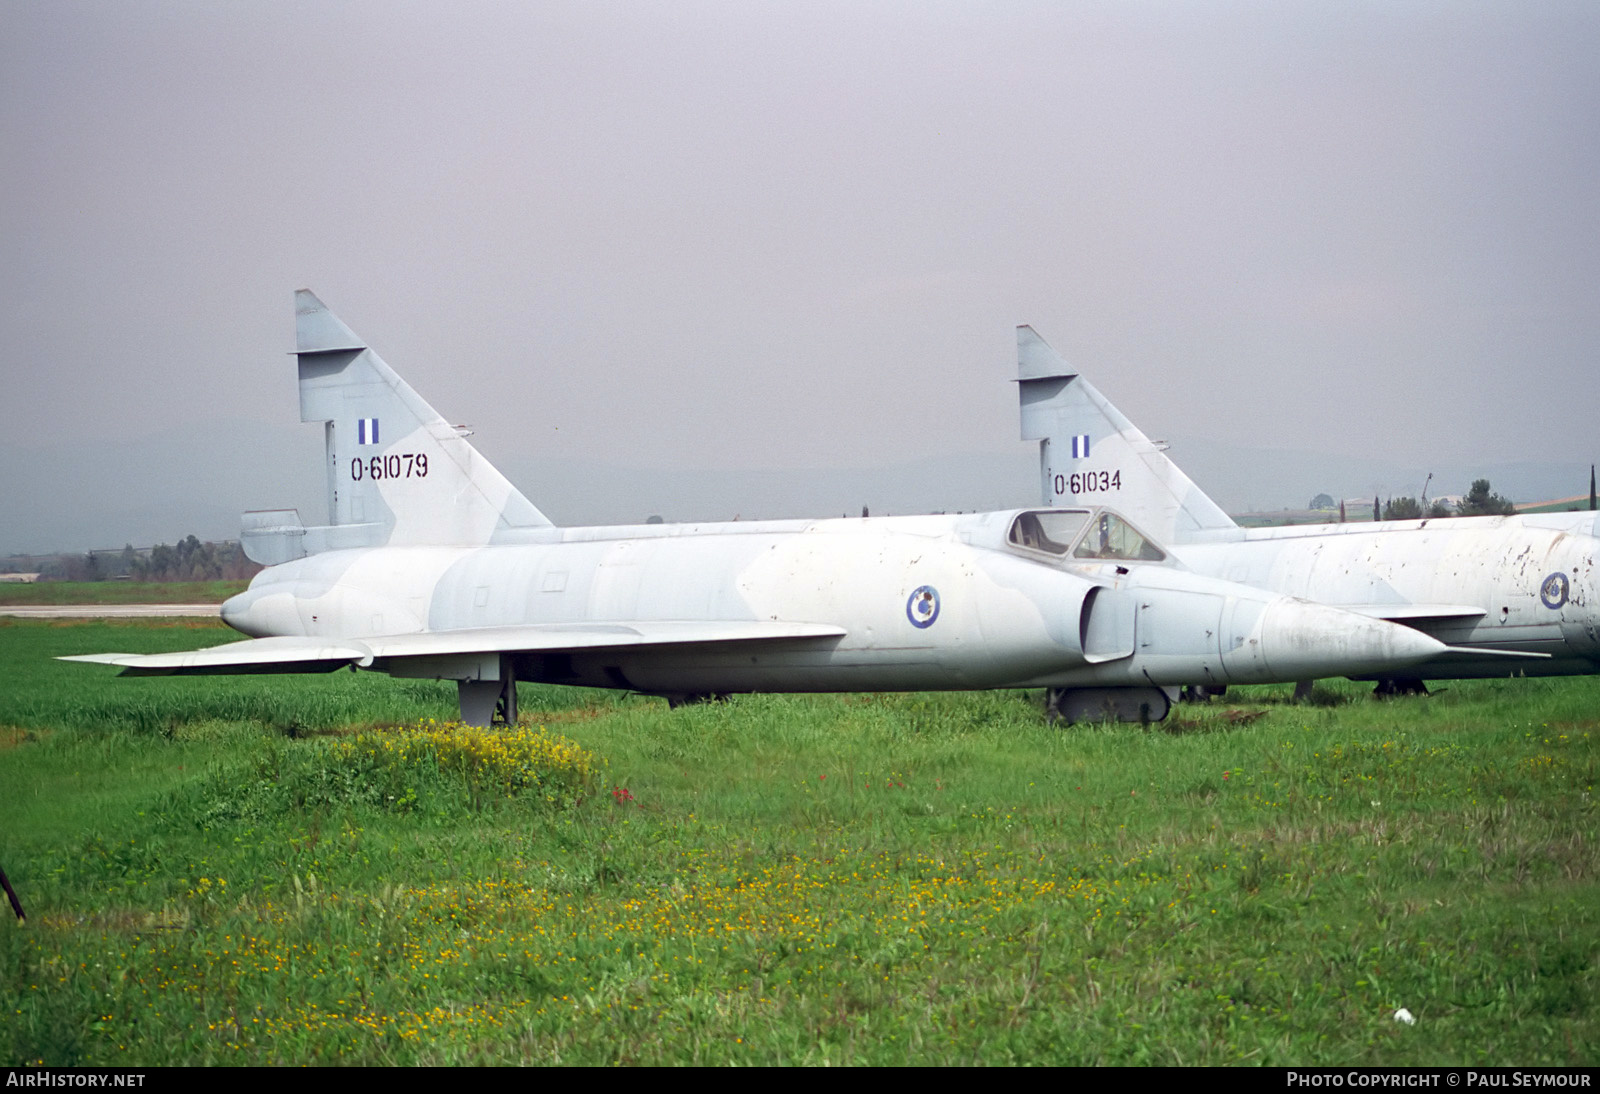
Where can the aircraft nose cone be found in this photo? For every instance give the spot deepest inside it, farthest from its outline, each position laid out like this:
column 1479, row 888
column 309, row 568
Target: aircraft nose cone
column 1301, row 640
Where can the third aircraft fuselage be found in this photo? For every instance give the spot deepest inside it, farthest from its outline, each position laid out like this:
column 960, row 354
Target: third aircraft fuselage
column 1505, row 583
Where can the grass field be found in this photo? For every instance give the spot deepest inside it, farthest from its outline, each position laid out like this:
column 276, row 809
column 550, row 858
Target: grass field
column 303, row 870
column 120, row 592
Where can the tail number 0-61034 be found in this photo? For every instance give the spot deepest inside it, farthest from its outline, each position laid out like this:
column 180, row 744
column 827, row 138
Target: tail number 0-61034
column 1088, row 482
column 402, row 465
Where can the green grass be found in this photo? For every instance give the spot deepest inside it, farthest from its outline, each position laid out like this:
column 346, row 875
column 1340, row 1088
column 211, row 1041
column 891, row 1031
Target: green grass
column 213, row 876
column 1279, row 518
column 119, row 592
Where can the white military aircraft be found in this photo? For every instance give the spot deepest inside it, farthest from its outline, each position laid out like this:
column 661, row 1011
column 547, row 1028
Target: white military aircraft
column 434, row 566
column 1510, row 595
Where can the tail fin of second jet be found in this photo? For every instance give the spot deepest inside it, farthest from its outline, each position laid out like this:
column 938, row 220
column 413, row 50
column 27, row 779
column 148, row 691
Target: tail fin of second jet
column 398, row 473
column 1089, row 454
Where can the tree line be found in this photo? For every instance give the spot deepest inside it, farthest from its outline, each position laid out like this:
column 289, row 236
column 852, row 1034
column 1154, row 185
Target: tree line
column 1480, row 501
column 187, row 560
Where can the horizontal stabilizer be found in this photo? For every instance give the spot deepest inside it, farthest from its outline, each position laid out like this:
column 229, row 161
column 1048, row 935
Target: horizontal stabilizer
column 261, row 655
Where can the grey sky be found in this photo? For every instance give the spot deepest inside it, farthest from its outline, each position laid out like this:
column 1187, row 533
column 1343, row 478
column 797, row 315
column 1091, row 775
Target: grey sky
column 798, row 236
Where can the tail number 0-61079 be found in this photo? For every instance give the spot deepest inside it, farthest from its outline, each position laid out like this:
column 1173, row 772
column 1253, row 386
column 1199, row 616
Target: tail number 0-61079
column 1088, row 482
column 402, row 465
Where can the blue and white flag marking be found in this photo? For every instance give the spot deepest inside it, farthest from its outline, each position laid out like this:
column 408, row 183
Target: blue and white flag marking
column 366, row 431
column 1080, row 446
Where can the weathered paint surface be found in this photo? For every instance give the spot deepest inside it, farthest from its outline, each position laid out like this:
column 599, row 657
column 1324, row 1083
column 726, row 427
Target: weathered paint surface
column 1521, row 587
column 1002, row 620
column 433, row 565
column 1478, row 586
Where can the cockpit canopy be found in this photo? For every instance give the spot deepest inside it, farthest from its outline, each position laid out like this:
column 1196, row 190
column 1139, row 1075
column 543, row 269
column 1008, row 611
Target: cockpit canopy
column 1082, row 534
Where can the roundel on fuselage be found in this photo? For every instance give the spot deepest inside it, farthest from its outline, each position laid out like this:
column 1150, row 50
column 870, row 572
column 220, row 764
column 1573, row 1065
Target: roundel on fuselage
column 1554, row 590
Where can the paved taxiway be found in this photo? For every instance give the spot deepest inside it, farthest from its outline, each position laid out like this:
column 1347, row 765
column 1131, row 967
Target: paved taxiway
column 110, row 611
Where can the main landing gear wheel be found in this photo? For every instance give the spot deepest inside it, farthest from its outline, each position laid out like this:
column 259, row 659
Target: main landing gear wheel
column 1143, row 705
column 1400, row 685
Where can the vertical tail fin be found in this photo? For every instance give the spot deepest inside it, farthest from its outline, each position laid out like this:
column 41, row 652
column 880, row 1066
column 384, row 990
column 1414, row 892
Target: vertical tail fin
column 398, row 473
column 1089, row 454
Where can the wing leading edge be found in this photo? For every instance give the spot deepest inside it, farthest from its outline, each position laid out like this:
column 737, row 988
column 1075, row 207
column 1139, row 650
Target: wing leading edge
column 1416, row 613
column 268, row 655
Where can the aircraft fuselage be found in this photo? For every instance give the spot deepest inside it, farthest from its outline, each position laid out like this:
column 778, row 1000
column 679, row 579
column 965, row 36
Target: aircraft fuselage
column 923, row 603
column 1482, row 582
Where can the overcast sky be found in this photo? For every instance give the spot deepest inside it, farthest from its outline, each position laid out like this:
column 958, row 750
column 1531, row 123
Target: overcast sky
column 799, row 235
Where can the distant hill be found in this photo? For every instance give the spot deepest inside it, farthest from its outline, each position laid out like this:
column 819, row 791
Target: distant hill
column 1556, row 505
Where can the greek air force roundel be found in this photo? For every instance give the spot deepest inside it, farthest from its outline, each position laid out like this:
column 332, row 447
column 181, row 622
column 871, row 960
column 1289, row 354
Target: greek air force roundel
column 923, row 607
column 1554, row 590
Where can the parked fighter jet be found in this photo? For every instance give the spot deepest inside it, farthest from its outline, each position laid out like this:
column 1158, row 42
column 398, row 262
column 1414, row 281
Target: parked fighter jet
column 1509, row 595
column 434, row 566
